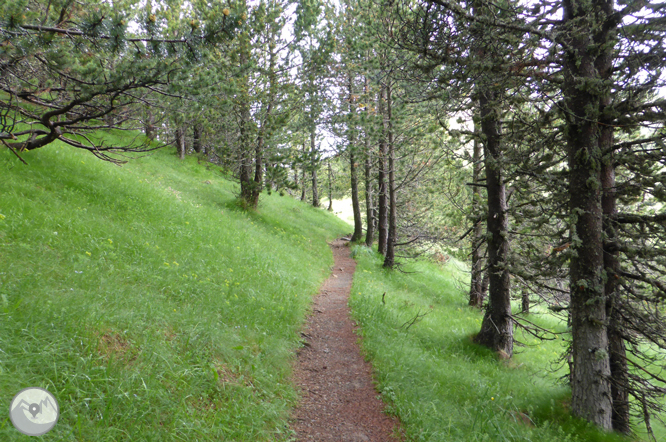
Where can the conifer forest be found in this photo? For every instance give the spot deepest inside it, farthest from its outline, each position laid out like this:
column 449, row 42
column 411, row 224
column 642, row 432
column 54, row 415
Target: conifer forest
column 523, row 140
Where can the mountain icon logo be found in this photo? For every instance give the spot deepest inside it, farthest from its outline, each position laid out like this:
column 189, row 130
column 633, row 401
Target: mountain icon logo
column 34, row 411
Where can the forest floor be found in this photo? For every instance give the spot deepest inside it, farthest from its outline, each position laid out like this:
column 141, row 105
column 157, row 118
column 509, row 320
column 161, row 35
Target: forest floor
column 339, row 401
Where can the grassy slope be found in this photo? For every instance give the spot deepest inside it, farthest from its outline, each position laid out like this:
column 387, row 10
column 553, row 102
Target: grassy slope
column 155, row 310
column 147, row 302
column 441, row 385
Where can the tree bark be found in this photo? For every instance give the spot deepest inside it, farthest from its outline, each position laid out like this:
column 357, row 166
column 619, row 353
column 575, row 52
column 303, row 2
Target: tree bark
column 591, row 390
column 525, row 300
column 313, row 164
column 245, row 171
column 180, row 143
column 356, row 205
column 244, row 149
column 382, row 216
column 315, row 192
column 617, row 351
column 389, row 259
column 370, row 210
column 369, row 207
column 616, row 344
column 330, row 186
column 149, row 124
column 303, row 172
column 476, row 292
column 196, row 138
column 497, row 326
column 258, row 183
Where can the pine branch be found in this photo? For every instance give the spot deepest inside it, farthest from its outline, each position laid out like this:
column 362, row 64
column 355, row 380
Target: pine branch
column 653, row 282
column 77, row 33
column 458, row 10
column 633, row 218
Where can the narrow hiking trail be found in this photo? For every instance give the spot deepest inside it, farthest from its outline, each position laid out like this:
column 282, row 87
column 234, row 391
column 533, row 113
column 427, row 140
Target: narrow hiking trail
column 339, row 401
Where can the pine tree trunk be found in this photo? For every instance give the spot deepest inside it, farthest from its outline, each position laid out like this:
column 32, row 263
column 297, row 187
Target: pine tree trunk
column 313, row 164
column 616, row 345
column 525, row 300
column 257, row 184
column 616, row 342
column 617, row 351
column 303, row 174
column 356, row 205
column 196, row 138
column 369, row 207
column 591, row 398
column 497, row 326
column 149, row 124
column 245, row 164
column 370, row 211
column 330, row 186
column 180, row 143
column 315, row 192
column 389, row 259
column 476, row 292
column 382, row 216
column 244, row 149
column 591, row 390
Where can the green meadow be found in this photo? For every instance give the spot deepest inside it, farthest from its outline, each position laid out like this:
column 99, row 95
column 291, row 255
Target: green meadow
column 442, row 385
column 155, row 309
column 147, row 302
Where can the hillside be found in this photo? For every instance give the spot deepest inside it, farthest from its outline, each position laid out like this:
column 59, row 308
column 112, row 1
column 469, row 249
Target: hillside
column 147, row 302
column 417, row 330
column 154, row 308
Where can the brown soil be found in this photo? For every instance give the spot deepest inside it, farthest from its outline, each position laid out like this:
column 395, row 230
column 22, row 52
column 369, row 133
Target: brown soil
column 339, row 401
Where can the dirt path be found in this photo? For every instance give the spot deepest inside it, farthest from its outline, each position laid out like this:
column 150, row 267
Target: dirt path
column 339, row 400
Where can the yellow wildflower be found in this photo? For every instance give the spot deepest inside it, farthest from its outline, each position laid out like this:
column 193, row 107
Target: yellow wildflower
column 225, row 11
